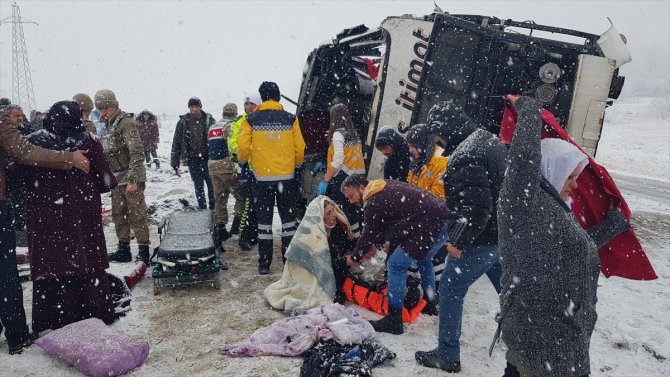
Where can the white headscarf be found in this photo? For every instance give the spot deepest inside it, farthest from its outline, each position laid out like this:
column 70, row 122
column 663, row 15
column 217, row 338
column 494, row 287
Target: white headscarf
column 559, row 159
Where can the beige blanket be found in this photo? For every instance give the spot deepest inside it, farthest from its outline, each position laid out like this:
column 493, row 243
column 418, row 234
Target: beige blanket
column 308, row 280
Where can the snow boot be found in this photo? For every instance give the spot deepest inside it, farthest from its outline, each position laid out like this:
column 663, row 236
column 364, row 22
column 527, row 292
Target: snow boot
column 430, row 359
column 235, row 228
column 220, row 235
column 143, row 254
column 122, row 253
column 244, row 246
column 391, row 324
column 158, row 164
column 223, row 232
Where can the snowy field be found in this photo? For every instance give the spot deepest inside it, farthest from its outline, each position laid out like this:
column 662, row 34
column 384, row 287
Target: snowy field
column 186, row 326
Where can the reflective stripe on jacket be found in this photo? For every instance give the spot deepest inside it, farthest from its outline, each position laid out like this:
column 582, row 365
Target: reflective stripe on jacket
column 350, row 157
column 271, row 138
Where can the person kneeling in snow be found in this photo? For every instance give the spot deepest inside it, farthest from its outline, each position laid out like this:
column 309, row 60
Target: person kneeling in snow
column 315, row 268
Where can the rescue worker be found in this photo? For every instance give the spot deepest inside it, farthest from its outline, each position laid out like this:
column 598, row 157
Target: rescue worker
column 345, row 157
column 86, row 106
column 190, row 144
column 250, row 103
column 426, row 169
column 270, row 138
column 123, row 148
column 222, row 170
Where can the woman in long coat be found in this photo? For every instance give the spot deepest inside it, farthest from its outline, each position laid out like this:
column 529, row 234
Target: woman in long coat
column 65, row 235
column 550, row 264
column 150, row 136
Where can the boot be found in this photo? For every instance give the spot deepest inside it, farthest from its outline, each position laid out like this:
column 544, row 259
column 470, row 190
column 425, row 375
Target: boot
column 235, row 229
column 223, row 233
column 158, row 164
column 220, row 235
column 430, row 359
column 245, row 246
column 391, row 324
column 122, row 253
column 143, row 254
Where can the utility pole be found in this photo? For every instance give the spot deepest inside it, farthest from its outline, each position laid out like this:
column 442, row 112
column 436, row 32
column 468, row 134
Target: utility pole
column 22, row 82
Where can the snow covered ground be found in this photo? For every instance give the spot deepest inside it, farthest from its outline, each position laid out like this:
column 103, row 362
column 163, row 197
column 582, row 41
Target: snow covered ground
column 186, row 326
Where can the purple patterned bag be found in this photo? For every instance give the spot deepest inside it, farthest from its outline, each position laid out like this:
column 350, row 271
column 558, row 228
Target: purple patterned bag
column 94, row 348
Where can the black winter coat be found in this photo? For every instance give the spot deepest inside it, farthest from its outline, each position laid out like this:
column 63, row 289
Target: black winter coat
column 472, row 184
column 180, row 142
column 397, row 166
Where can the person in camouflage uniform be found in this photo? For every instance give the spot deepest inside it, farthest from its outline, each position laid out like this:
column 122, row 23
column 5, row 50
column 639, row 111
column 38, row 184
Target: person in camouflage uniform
column 222, row 170
column 86, row 106
column 123, row 148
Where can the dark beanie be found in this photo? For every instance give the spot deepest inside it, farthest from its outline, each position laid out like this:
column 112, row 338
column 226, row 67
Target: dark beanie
column 269, row 91
column 64, row 118
column 194, row 101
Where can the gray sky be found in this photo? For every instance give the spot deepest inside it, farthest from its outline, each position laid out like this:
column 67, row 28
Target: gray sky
column 157, row 54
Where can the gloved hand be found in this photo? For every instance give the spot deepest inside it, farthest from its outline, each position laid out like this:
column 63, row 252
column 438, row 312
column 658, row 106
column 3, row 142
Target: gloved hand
column 318, row 167
column 321, row 189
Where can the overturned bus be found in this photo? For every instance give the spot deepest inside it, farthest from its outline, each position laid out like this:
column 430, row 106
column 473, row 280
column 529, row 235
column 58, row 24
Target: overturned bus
column 393, row 75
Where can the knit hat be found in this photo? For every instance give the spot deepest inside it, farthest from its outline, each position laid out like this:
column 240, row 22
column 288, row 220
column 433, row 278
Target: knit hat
column 105, row 98
column 85, row 102
column 194, row 101
column 64, row 119
column 253, row 97
column 269, row 91
column 448, row 121
column 230, row 110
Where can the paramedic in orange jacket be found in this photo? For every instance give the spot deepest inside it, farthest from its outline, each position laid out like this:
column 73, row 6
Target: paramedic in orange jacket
column 271, row 139
column 425, row 169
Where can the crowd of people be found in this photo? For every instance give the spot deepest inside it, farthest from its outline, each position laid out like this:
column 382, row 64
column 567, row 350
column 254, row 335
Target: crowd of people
column 454, row 204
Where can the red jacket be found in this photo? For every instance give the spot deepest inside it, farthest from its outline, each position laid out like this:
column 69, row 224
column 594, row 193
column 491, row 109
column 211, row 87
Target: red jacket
column 623, row 255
